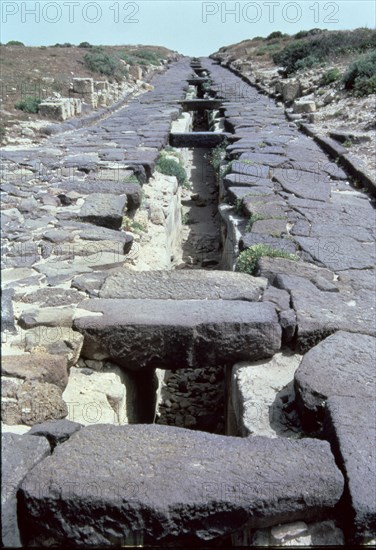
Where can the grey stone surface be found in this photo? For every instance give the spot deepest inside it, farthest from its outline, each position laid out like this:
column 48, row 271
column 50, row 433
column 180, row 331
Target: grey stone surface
column 18, row 455
column 55, row 431
column 270, row 268
column 137, row 334
column 338, row 253
column 214, row 485
column 104, row 209
column 343, row 364
column 249, row 179
column 303, row 184
column 319, row 314
column 350, row 426
column 183, row 285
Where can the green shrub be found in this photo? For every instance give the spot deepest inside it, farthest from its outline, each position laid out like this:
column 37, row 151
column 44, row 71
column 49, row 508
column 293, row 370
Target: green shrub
column 217, row 155
column 85, row 45
column 361, row 75
column 291, row 54
column 2, row 132
column 275, row 34
column 29, row 105
column 331, row 76
column 100, row 62
column 171, row 167
column 301, row 34
column 365, row 86
column 248, row 259
column 14, row 43
column 304, row 34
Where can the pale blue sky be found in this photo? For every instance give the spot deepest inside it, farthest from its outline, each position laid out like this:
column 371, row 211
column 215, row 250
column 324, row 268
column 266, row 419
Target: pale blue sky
column 191, row 27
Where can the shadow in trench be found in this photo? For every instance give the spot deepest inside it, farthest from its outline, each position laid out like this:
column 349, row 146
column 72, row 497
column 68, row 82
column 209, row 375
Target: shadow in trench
column 194, row 399
column 201, row 232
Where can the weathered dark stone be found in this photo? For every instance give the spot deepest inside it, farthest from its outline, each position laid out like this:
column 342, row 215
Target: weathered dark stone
column 37, row 366
column 254, row 171
column 271, row 267
column 350, row 426
column 303, row 184
column 262, row 184
column 18, row 455
column 39, row 401
column 7, row 314
column 235, row 194
column 342, row 364
column 131, row 190
column 287, row 319
column 339, row 253
column 104, row 209
column 125, row 493
column 55, row 431
column 319, row 314
column 58, row 236
column 182, row 285
column 266, row 159
column 172, row 334
column 52, row 297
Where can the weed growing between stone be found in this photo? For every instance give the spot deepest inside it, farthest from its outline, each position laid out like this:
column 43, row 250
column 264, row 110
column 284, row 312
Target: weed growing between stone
column 248, row 259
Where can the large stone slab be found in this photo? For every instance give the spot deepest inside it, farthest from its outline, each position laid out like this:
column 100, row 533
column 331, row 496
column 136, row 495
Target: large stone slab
column 338, row 252
column 342, row 364
column 18, row 455
column 156, row 483
column 321, row 313
column 104, row 209
column 350, row 426
column 173, row 334
column 314, row 186
column 183, row 285
column 132, row 191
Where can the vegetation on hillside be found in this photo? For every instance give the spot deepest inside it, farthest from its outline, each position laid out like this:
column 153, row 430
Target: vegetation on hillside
column 315, row 47
column 29, row 104
column 361, row 75
column 304, row 53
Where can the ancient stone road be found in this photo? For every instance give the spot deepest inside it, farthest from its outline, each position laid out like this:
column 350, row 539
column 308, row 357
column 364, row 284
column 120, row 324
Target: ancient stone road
column 68, row 293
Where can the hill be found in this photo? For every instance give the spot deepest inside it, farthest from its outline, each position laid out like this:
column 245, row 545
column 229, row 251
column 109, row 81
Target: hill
column 39, row 72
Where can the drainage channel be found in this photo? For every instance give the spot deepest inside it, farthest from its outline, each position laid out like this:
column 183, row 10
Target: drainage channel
column 195, row 398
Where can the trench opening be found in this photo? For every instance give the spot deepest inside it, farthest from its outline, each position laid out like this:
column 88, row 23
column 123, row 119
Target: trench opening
column 195, row 398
